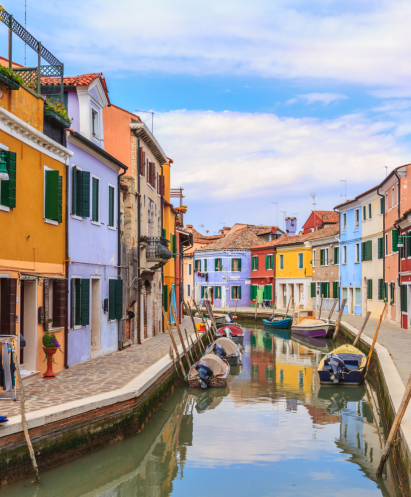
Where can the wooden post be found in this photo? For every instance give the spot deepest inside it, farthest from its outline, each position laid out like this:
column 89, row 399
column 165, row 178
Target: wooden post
column 188, row 348
column 375, row 339
column 208, row 329
column 256, row 308
column 321, row 306
column 173, row 341
column 289, row 302
column 192, row 343
column 171, row 354
column 338, row 321
column 23, row 412
column 357, row 338
column 395, row 427
column 181, row 337
column 332, row 309
column 195, row 328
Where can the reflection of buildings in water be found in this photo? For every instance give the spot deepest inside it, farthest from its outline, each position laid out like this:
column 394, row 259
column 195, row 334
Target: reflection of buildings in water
column 262, row 356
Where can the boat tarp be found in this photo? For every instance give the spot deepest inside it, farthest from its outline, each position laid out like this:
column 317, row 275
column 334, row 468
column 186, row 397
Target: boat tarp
column 228, row 345
column 345, row 349
column 217, row 365
column 311, row 322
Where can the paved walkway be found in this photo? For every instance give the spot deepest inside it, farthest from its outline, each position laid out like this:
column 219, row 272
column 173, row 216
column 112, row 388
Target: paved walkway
column 100, row 375
column 395, row 339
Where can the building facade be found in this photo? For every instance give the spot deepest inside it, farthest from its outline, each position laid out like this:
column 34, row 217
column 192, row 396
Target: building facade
column 262, row 275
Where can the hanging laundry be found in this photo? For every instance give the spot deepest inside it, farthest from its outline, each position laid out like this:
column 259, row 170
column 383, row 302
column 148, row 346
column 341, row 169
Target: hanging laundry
column 8, row 385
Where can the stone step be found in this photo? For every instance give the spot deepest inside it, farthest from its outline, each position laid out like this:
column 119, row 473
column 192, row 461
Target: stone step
column 29, row 376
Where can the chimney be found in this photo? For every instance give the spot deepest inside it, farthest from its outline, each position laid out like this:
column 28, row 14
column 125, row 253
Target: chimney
column 189, row 226
column 291, row 226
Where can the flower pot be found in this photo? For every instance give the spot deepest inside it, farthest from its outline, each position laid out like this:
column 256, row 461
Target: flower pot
column 49, row 353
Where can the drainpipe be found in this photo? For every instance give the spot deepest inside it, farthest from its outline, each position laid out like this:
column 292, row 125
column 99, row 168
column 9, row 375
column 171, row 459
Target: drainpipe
column 119, row 244
column 138, row 239
column 162, row 267
column 67, row 269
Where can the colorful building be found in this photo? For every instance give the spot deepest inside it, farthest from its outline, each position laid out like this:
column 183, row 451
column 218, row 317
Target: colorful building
column 33, row 258
column 319, row 220
column 404, row 244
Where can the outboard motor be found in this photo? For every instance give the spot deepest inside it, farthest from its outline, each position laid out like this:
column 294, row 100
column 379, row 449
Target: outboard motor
column 219, row 351
column 338, row 367
column 204, row 374
column 231, row 317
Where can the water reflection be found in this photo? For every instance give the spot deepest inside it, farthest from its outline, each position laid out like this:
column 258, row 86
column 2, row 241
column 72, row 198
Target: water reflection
column 271, row 431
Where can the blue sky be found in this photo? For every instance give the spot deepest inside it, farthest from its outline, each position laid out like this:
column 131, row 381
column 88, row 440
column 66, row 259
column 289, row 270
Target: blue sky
column 255, row 102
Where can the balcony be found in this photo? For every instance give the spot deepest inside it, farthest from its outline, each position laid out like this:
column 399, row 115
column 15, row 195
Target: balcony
column 157, row 251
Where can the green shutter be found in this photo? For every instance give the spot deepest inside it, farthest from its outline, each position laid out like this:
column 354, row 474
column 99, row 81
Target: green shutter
column 394, row 240
column 327, row 286
column 322, row 257
column 73, row 308
column 112, row 299
column 369, row 211
column 301, row 261
column 164, row 234
column 202, row 292
column 404, row 303
column 382, row 205
column 85, row 302
column 385, row 290
column 119, row 299
column 52, row 195
column 369, row 289
column 83, row 201
column 407, row 240
column 205, row 265
column 239, row 264
column 239, row 292
column 380, row 289
column 111, row 206
column 253, row 291
column 165, row 297
column 369, row 250
column 95, row 200
column 74, row 190
column 266, row 262
column 8, row 188
column 216, row 264
column 335, row 289
column 313, row 290
column 60, row 200
column 380, row 247
column 268, row 292
column 392, row 297
column 363, row 254
column 364, row 212
column 336, row 255
column 78, row 301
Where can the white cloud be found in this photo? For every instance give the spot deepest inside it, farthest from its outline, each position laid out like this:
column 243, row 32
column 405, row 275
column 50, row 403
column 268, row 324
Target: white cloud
column 359, row 42
column 311, row 98
column 233, row 155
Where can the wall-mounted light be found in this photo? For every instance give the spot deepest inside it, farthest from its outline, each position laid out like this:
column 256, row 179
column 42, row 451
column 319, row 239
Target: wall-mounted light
column 400, row 244
column 4, row 175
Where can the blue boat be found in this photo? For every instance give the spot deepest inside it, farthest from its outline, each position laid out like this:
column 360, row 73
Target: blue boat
column 278, row 323
column 285, row 334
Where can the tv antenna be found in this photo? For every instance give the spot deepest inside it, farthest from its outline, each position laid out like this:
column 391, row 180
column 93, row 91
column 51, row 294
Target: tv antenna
column 152, row 117
column 284, row 212
column 314, row 199
column 345, row 189
column 386, row 170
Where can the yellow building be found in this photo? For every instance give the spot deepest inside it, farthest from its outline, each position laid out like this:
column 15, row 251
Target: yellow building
column 33, row 291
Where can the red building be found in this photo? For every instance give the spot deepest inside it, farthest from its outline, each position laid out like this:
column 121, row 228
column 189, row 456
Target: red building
column 319, row 220
column 262, row 272
column 404, row 225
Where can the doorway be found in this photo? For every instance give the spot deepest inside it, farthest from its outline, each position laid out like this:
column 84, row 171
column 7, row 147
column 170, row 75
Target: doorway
column 211, row 295
column 28, row 325
column 95, row 333
column 351, row 300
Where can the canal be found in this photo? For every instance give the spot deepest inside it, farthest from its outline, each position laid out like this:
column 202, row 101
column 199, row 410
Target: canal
column 272, row 431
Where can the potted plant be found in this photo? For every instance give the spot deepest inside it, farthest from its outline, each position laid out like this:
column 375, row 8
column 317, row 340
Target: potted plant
column 50, row 346
column 57, row 112
column 10, row 79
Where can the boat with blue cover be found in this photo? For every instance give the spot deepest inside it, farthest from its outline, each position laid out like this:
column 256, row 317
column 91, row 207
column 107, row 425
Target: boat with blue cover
column 282, row 323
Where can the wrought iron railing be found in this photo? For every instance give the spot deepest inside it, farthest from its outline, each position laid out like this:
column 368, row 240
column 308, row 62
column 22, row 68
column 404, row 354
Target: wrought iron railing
column 157, row 247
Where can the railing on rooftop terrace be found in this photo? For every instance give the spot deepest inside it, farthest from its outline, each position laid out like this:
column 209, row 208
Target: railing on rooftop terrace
column 32, row 75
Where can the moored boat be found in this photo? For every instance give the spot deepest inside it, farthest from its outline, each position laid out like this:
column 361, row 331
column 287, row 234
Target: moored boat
column 320, row 344
column 285, row 334
column 232, row 331
column 346, row 365
column 227, row 349
column 209, row 371
column 305, row 323
column 282, row 323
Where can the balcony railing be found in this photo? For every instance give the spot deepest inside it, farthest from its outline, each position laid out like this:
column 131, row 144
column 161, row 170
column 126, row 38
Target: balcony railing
column 157, row 249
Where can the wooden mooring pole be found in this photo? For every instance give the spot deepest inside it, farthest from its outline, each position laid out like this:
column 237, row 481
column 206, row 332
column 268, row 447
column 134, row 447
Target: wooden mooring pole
column 188, row 309
column 374, row 341
column 188, row 348
column 330, row 315
column 173, row 341
column 338, row 321
column 357, row 338
column 181, row 337
column 394, row 428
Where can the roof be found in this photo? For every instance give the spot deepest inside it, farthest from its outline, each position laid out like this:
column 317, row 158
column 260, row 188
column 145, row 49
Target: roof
column 292, row 240
column 269, row 230
column 80, row 80
column 244, row 238
column 141, row 130
column 357, row 197
column 328, row 217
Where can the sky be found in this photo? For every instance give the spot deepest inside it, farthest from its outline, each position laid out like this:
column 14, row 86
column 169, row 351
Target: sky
column 260, row 104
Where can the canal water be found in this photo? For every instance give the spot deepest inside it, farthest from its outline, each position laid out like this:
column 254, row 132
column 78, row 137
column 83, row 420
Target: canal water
column 272, row 431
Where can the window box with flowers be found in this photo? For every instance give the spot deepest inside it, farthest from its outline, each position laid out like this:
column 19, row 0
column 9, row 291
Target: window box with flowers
column 10, row 79
column 57, row 112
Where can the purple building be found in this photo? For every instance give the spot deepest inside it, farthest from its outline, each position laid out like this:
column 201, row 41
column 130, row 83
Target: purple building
column 222, row 270
column 94, row 287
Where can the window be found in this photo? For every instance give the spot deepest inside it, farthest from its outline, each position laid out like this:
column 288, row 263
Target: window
column 407, row 243
column 94, row 122
column 344, row 254
column 366, row 251
column 380, row 248
column 364, row 213
column 197, row 265
column 53, row 196
column 80, row 302
column 300, row 261
column 324, row 257
column 344, row 221
column 217, row 292
column 380, row 289
column 404, row 307
column 325, row 289
column 394, row 240
column 392, row 197
column 188, row 292
column 281, row 261
column 95, row 200
column 370, row 211
column 115, row 299
column 269, row 262
column 205, row 265
column 204, row 292
column 268, row 292
column 80, row 192
column 218, row 264
column 345, row 293
column 382, row 205
column 190, row 267
column 253, row 292
column 335, row 290
column 8, row 187
column 236, row 292
column 357, row 252
column 337, row 255
column 55, row 303
column 369, row 289
column 392, row 293
column 357, row 218
column 314, row 256
column 111, row 206
column 313, row 290
column 254, row 263
column 358, row 296
column 235, row 265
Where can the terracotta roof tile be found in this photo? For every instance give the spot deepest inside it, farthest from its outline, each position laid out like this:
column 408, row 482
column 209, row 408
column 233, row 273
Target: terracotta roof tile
column 240, row 239
column 291, row 240
column 80, row 80
column 328, row 216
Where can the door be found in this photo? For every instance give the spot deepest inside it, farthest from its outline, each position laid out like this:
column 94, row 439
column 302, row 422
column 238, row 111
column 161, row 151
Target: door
column 95, row 314
column 28, row 327
column 211, row 295
column 223, row 296
column 301, row 295
column 351, row 300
